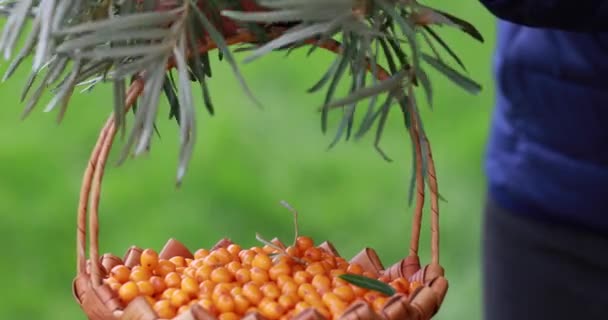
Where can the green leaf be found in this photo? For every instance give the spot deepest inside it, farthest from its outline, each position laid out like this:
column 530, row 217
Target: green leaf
column 456, row 77
column 368, row 283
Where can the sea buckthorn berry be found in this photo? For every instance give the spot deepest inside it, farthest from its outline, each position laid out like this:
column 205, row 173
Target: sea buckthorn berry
column 179, row 298
column 180, row 270
column 221, row 275
column 262, row 261
column 149, row 259
column 242, row 276
column 206, row 288
column 166, row 295
column 228, row 316
column 315, row 268
column 307, row 291
column 415, row 285
column 190, row 286
column 334, row 304
column 233, row 266
column 115, row 286
column 338, row 282
column 379, row 303
column 271, row 290
column 225, row 303
column 164, row 267
column 354, row 269
column 327, row 265
column 140, row 274
column 321, row 283
column 145, row 288
column 400, row 285
column 313, row 254
column 341, row 263
column 282, row 279
column 279, row 269
column 303, row 243
column 301, row 306
column 288, row 301
column 241, row 303
column 201, row 254
column 271, row 310
column 359, row 292
column 234, row 250
column 203, row 273
column 164, row 309
column 183, row 309
column 173, row 280
column 371, row 296
column 252, row 292
column 178, row 261
column 150, row 300
column 197, row 264
column 246, row 257
column 293, row 252
column 290, row 287
column 120, row 273
column 223, row 255
column 190, row 272
column 369, row 274
column 335, row 273
column 158, row 284
column 259, row 275
column 128, row 291
column 221, row 288
column 345, row 293
column 212, row 260
column 322, row 310
column 302, row 277
column 207, row 304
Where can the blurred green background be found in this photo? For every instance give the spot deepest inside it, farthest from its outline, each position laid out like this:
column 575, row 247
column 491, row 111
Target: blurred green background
column 246, row 161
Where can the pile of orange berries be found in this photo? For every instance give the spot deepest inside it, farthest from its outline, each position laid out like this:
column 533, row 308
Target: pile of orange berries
column 230, row 282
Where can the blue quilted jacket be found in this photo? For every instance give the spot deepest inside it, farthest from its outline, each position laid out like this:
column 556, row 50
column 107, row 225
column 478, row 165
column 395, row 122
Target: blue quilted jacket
column 548, row 149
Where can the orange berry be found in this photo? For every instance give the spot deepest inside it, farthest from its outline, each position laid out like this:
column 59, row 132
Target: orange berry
column 355, row 269
column 164, row 267
column 307, row 291
column 228, row 316
column 149, row 259
column 206, row 288
column 321, row 282
column 400, row 285
column 128, row 291
column 224, row 257
column 252, row 292
column 271, row 310
column 359, row 292
column 234, row 250
column 303, row 243
column 369, row 274
column 293, row 252
column 221, row 275
column 173, row 280
column 259, row 275
column 290, row 287
column 212, row 260
column 120, row 273
column 302, row 277
column 203, row 273
column 288, row 301
column 313, row 254
column 241, row 303
column 190, row 272
column 345, row 293
column 158, row 284
column 233, row 266
column 166, row 295
column 225, row 303
column 333, row 302
column 115, row 286
column 379, row 303
column 301, row 306
column 145, row 288
column 270, row 290
column 164, row 309
column 207, row 304
column 279, row 269
column 315, row 268
column 247, row 257
column 282, row 279
column 221, row 288
column 236, row 291
column 178, row 261
column 189, row 286
column 262, row 261
column 242, row 275
column 150, row 300
column 140, row 274
column 201, row 254
column 415, row 285
column 179, row 298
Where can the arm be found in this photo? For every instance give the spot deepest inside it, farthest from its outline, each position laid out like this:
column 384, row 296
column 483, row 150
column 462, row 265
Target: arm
column 567, row 15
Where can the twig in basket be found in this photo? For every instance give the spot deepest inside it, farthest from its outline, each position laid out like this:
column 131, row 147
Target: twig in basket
column 295, row 220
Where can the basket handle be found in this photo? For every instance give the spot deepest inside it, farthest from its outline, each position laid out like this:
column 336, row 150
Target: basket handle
column 92, row 179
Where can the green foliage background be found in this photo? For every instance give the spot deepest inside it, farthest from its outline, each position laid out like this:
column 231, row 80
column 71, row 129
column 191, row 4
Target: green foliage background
column 246, row 161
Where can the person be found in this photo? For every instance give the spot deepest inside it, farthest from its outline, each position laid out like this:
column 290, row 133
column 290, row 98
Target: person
column 545, row 229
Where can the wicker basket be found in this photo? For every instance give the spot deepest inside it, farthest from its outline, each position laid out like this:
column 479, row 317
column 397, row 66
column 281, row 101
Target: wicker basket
column 99, row 302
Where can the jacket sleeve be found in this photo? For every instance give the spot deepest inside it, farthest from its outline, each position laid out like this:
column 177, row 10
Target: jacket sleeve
column 567, row 15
